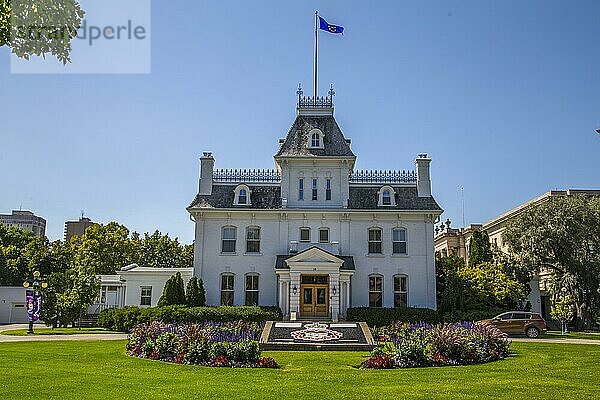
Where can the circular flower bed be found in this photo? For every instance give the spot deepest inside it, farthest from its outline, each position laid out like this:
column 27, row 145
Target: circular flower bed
column 405, row 345
column 227, row 344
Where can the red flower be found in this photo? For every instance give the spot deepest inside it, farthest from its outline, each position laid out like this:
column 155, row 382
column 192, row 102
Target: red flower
column 220, row 361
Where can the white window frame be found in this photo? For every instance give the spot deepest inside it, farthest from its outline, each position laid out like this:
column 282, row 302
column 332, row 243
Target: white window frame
column 306, row 229
column 315, row 189
column 327, row 189
column 252, row 290
column 398, row 290
column 252, row 240
column 300, row 188
column 328, row 237
column 315, row 134
column 376, row 276
column 392, row 193
column 223, row 239
column 394, row 252
column 145, row 296
column 237, row 190
column 373, row 241
column 227, row 289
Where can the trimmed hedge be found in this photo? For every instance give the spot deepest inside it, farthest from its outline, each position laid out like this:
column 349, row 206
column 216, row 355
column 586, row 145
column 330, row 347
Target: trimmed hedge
column 123, row 319
column 378, row 316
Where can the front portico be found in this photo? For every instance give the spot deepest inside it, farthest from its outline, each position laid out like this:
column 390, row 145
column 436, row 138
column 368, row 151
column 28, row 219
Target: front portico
column 314, row 284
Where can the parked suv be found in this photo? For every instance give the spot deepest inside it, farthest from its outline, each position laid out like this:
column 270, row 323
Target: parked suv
column 520, row 322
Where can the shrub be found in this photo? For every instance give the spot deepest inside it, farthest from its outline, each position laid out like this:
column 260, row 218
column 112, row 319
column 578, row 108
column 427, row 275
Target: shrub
column 232, row 344
column 421, row 344
column 378, row 316
column 124, row 319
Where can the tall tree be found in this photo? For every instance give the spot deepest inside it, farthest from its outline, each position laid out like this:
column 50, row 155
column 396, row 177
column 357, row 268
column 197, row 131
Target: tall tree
column 104, row 248
column 40, row 27
column 160, row 251
column 480, row 250
column 192, row 293
column 173, row 292
column 562, row 236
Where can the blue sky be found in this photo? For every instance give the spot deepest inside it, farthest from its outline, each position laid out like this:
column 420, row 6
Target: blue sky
column 504, row 96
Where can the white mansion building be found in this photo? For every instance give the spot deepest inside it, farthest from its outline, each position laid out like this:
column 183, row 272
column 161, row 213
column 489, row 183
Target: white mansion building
column 314, row 236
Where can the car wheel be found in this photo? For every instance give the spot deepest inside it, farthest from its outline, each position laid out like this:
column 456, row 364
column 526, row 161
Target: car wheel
column 532, row 332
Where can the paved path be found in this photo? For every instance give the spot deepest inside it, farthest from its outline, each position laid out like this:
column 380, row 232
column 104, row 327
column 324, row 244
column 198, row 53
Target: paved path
column 83, row 336
column 557, row 341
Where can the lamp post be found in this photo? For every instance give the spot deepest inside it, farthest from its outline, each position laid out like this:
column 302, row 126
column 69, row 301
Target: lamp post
column 33, row 298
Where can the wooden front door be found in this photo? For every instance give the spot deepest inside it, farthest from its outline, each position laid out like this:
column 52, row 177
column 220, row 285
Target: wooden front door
column 314, row 300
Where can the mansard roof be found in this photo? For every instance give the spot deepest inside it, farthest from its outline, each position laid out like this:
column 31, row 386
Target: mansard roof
column 261, row 197
column 361, row 198
column 406, row 199
column 295, row 144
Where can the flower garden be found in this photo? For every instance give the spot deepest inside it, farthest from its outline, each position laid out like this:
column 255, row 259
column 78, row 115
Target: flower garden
column 216, row 344
column 405, row 345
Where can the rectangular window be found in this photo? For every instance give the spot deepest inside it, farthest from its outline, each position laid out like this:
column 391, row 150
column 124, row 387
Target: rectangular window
column 375, row 291
column 400, row 292
column 251, row 290
column 228, row 237
column 146, row 295
column 253, row 239
column 323, row 235
column 328, row 189
column 375, row 241
column 301, row 189
column 314, row 189
column 305, row 234
column 399, row 241
column 227, row 290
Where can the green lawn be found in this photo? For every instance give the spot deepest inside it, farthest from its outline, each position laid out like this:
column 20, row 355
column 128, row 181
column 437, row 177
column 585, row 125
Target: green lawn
column 101, row 370
column 572, row 335
column 55, row 331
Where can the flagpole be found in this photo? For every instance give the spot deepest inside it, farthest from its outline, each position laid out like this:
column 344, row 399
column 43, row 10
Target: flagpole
column 316, row 54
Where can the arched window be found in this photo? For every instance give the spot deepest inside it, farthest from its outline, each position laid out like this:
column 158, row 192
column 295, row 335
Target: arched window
column 242, row 195
column 252, row 289
column 228, row 239
column 399, row 241
column 375, row 245
column 253, row 239
column 375, row 291
column 227, row 281
column 400, row 291
column 315, row 139
column 386, row 196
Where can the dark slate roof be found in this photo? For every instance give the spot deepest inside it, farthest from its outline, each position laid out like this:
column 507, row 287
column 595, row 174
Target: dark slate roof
column 295, row 143
column 261, row 197
column 406, row 199
column 347, row 265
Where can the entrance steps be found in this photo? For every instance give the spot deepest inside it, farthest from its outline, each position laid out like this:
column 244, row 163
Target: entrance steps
column 316, row 336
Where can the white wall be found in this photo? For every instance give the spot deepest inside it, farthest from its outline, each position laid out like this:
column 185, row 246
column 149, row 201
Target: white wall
column 9, row 297
column 350, row 229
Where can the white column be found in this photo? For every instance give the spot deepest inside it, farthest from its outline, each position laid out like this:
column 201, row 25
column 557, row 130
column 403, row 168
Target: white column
column 295, row 298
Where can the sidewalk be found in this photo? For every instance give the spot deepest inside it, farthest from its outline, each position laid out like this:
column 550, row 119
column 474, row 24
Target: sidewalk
column 557, row 341
column 41, row 338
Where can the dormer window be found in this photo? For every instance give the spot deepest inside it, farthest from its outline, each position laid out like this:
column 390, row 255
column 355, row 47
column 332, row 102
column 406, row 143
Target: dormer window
column 242, row 195
column 315, row 139
column 386, row 197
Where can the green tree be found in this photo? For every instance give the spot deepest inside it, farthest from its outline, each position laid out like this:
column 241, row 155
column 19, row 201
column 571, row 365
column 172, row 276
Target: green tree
column 40, row 27
column 173, row 292
column 193, row 298
column 562, row 310
column 104, row 248
column 480, row 250
column 160, row 251
column 562, row 236
column 202, row 295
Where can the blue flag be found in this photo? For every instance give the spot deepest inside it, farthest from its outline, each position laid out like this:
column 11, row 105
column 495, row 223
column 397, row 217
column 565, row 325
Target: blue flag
column 324, row 25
